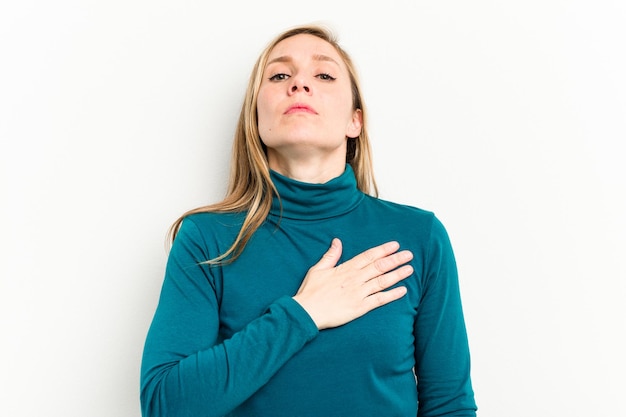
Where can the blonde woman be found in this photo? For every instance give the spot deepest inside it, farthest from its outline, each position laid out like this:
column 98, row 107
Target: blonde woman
column 302, row 293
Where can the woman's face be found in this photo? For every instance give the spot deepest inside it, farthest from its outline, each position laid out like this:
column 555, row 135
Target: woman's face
column 304, row 104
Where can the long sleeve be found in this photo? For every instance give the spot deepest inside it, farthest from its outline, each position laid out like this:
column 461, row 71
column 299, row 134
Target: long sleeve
column 186, row 369
column 441, row 348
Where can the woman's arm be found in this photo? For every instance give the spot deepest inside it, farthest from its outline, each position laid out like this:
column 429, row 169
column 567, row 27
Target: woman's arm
column 186, row 369
column 442, row 359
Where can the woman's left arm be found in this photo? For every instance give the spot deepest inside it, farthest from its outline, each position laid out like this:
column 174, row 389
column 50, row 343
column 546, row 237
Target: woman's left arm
column 442, row 359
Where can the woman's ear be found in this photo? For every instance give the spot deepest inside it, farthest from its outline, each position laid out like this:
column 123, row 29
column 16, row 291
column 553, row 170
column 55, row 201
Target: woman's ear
column 354, row 127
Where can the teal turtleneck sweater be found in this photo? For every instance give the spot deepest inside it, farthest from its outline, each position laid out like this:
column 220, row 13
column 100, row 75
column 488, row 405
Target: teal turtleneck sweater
column 230, row 341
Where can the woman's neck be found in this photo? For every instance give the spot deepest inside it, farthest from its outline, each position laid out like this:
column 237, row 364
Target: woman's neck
column 310, row 169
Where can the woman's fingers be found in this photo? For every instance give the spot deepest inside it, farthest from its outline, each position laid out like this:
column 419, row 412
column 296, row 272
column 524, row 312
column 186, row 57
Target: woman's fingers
column 381, row 298
column 388, row 263
column 384, row 281
column 372, row 255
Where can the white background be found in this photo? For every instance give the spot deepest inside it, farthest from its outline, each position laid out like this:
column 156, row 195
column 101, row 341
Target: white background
column 506, row 118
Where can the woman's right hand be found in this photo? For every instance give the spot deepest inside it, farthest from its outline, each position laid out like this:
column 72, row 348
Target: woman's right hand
column 337, row 294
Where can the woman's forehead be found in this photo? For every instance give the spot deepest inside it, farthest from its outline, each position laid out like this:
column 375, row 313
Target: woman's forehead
column 304, row 45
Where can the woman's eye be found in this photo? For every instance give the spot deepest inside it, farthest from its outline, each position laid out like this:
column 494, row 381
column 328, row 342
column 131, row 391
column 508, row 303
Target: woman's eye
column 279, row 77
column 326, row 77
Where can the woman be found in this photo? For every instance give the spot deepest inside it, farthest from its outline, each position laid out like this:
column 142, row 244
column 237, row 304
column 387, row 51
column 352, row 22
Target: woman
column 258, row 316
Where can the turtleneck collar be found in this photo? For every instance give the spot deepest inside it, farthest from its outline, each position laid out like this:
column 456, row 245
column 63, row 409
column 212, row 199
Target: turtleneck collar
column 306, row 201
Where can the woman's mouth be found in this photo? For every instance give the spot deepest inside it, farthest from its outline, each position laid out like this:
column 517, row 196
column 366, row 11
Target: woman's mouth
column 300, row 108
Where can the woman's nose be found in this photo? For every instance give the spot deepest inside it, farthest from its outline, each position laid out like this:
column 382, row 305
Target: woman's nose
column 299, row 85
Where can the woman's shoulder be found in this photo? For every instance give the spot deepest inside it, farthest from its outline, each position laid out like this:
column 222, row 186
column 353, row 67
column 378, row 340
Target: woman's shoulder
column 213, row 223
column 408, row 216
column 399, row 208
column 213, row 216
column 215, row 219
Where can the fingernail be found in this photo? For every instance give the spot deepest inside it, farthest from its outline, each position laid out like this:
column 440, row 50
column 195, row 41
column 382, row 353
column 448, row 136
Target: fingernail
column 393, row 245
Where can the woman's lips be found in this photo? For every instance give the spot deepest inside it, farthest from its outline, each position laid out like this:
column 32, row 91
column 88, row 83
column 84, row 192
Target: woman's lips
column 300, row 108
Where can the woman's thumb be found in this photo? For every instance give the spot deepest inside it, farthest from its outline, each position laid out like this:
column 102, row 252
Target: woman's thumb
column 331, row 257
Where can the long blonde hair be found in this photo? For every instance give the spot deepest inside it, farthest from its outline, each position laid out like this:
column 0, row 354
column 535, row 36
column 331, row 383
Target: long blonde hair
column 250, row 188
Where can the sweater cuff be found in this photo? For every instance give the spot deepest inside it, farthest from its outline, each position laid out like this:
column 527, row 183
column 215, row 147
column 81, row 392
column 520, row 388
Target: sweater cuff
column 298, row 316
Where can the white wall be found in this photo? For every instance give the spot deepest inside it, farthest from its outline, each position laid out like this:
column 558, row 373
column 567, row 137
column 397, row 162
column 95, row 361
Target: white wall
column 505, row 118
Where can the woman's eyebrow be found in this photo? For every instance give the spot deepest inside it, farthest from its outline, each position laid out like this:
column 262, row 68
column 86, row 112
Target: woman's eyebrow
column 316, row 57
column 320, row 57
